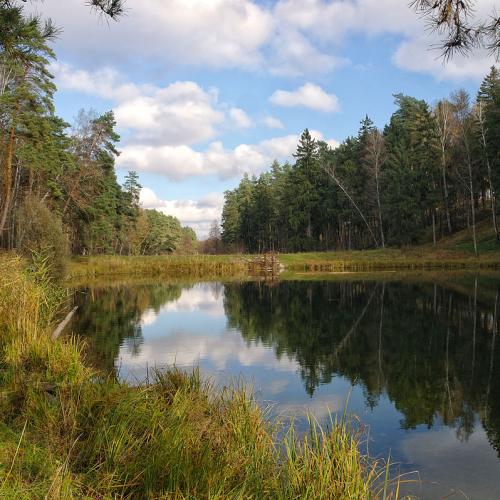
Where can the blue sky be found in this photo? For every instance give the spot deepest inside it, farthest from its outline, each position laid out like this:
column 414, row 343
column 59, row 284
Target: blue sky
column 205, row 90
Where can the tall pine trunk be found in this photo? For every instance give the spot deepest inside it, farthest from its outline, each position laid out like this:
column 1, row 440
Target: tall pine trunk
column 379, row 207
column 472, row 204
column 445, row 189
column 7, row 181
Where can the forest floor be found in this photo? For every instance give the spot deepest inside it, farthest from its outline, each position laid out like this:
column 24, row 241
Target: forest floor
column 68, row 431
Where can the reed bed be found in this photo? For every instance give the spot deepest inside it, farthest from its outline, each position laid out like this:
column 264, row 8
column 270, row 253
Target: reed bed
column 172, row 266
column 67, row 431
column 239, row 266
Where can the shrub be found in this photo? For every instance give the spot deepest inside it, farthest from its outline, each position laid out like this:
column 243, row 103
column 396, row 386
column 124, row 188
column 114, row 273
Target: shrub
column 39, row 233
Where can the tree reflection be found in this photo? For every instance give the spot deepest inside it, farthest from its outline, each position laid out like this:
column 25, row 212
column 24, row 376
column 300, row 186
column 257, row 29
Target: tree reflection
column 431, row 349
column 109, row 317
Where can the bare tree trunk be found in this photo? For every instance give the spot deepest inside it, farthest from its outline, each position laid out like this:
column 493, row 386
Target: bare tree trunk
column 464, row 118
column 433, row 228
column 5, row 77
column 447, row 363
column 376, row 157
column 8, row 165
column 354, row 327
column 331, row 172
column 443, row 116
column 380, row 332
column 474, row 327
column 7, row 180
column 382, row 238
column 472, row 203
column 480, row 119
column 495, row 320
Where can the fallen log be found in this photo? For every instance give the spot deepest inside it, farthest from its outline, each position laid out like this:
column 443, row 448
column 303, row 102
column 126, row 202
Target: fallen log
column 62, row 325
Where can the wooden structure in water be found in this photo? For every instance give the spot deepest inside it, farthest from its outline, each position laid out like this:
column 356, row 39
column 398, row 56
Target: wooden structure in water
column 266, row 265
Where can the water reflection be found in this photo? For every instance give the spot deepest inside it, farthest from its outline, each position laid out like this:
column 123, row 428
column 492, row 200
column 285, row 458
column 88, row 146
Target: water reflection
column 422, row 357
column 431, row 349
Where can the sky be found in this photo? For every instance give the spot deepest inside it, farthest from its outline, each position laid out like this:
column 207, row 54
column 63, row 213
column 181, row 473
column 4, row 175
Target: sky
column 206, row 90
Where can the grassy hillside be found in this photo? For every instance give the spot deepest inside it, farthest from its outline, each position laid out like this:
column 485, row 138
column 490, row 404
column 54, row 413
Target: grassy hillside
column 461, row 241
column 453, row 252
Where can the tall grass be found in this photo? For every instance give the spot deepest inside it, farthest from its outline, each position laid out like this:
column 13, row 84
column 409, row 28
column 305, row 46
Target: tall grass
column 225, row 266
column 192, row 266
column 69, row 432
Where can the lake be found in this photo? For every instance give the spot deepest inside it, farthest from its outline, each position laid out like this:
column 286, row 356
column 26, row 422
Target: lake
column 416, row 356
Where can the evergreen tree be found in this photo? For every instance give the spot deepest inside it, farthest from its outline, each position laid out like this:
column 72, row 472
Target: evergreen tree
column 488, row 127
column 303, row 196
column 26, row 90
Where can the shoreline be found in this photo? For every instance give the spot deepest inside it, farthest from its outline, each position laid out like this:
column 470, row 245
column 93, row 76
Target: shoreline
column 238, row 265
column 68, row 431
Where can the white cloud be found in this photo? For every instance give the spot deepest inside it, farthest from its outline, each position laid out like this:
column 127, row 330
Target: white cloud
column 179, row 162
column 285, row 37
column 180, row 113
column 430, row 61
column 203, row 297
column 308, row 96
column 186, row 348
column 272, row 122
column 217, row 33
column 105, row 82
column 332, row 21
column 240, row 118
column 198, row 214
column 162, row 123
column 293, row 54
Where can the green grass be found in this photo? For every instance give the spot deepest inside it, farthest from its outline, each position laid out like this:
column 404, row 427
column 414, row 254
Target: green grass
column 453, row 252
column 461, row 241
column 388, row 259
column 67, row 431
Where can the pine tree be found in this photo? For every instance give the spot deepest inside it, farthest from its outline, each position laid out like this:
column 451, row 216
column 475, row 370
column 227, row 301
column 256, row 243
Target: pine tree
column 487, row 113
column 231, row 219
column 132, row 190
column 306, row 173
column 26, row 87
column 306, row 150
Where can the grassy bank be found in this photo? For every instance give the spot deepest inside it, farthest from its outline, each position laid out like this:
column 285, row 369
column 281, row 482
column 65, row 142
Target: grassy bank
column 175, row 266
column 68, row 432
column 236, row 266
column 452, row 252
column 388, row 259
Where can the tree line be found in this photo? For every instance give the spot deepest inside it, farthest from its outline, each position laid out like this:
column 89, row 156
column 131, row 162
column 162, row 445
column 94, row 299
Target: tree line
column 431, row 171
column 59, row 190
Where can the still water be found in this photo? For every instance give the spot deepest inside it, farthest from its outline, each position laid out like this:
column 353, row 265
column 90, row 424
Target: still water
column 419, row 359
